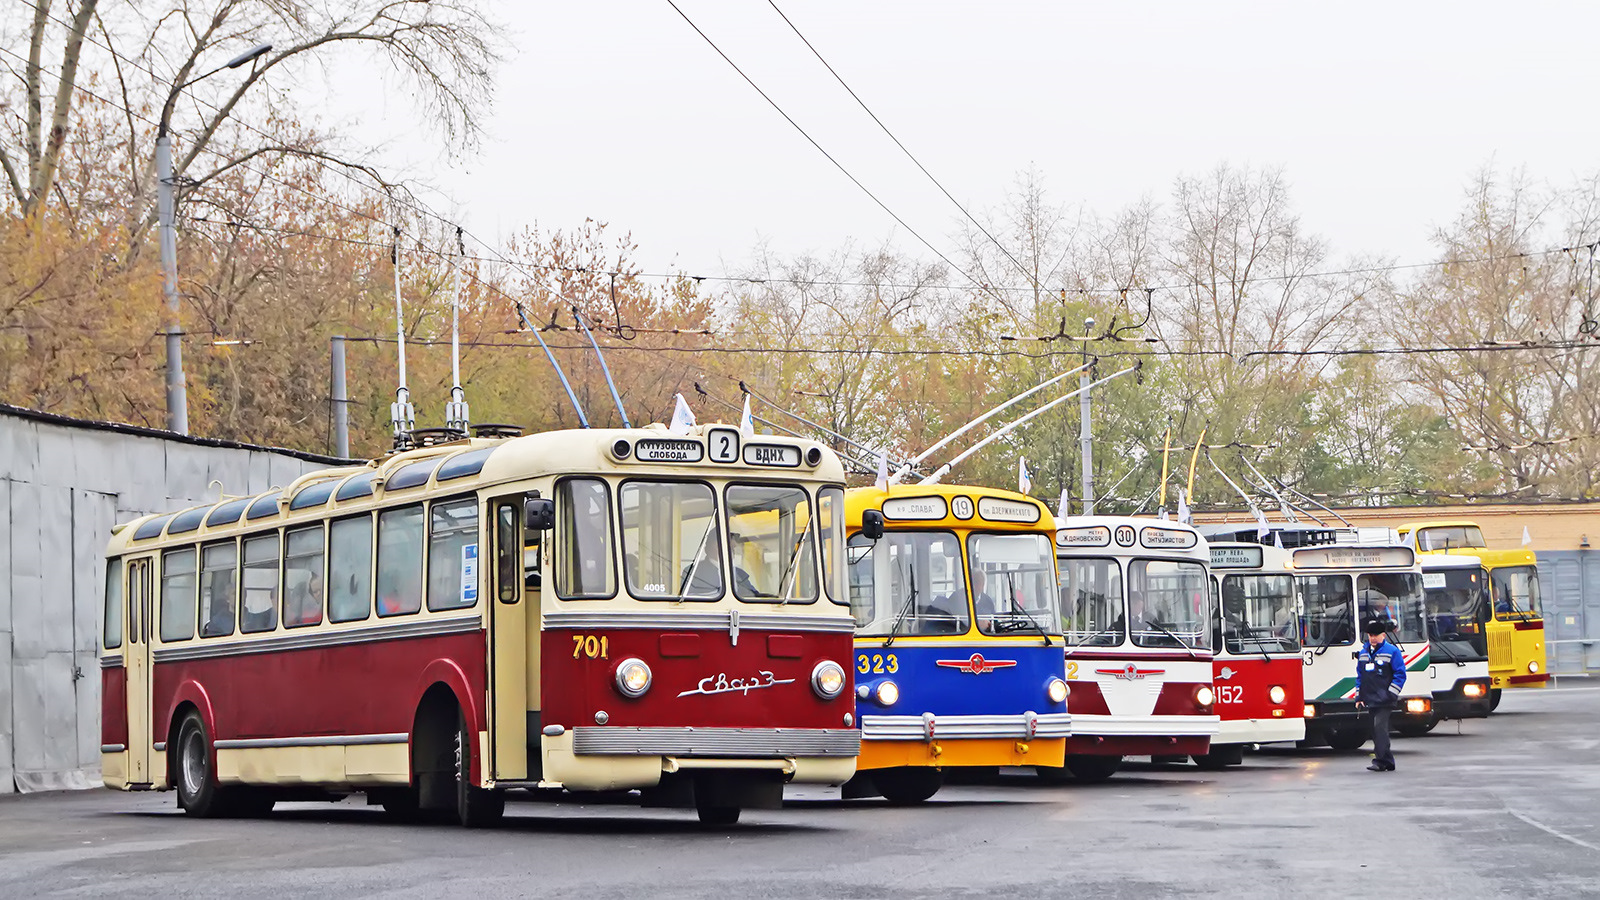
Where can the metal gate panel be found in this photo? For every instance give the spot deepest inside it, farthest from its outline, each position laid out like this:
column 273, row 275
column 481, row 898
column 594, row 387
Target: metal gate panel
column 1567, row 579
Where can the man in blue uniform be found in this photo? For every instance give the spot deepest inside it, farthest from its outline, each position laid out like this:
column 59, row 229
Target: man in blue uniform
column 1380, row 673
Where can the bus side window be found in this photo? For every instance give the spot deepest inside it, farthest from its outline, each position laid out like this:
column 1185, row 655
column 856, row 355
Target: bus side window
column 453, row 555
column 177, row 595
column 113, row 622
column 219, row 579
column 302, row 577
column 259, row 609
column 350, row 569
column 400, row 561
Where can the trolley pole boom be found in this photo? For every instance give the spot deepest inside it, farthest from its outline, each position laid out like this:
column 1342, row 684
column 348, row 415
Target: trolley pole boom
column 402, row 415
column 905, row 469
column 1018, row 423
column 802, row 419
column 522, row 316
column 605, row 369
column 456, row 415
column 1085, row 435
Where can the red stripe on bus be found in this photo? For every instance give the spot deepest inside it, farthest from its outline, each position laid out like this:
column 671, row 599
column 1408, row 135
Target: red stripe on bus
column 1529, row 679
column 1531, row 626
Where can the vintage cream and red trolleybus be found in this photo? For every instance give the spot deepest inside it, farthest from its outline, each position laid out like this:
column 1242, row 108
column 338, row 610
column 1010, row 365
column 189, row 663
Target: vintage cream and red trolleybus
column 1256, row 633
column 591, row 610
column 1136, row 602
column 958, row 635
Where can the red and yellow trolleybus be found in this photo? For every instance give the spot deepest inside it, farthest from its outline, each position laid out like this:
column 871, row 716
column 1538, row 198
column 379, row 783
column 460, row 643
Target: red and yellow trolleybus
column 1259, row 689
column 589, row 610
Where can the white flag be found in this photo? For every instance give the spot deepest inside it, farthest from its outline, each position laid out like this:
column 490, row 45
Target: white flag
column 1526, row 537
column 682, row 417
column 1263, row 528
column 882, row 483
column 746, row 424
column 1024, row 477
column 1183, row 509
column 1061, row 506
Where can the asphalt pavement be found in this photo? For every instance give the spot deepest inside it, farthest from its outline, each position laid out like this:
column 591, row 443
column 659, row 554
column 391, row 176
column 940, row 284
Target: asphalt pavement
column 1504, row 806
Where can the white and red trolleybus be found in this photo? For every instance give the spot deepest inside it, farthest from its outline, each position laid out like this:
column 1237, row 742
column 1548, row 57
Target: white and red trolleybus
column 1136, row 607
column 589, row 610
column 1260, row 694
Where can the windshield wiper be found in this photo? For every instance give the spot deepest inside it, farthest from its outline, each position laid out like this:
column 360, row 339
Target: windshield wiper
column 1163, row 629
column 911, row 598
column 1016, row 610
column 786, row 579
column 1444, row 645
column 699, row 555
column 1101, row 633
column 1323, row 648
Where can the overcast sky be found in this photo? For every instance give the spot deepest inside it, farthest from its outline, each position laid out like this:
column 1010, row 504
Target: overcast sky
column 1378, row 113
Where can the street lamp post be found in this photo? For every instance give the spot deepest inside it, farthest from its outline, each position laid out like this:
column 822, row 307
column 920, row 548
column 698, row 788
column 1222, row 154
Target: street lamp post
column 166, row 226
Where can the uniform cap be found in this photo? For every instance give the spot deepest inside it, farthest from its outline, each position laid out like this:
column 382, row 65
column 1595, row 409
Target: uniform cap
column 1376, row 626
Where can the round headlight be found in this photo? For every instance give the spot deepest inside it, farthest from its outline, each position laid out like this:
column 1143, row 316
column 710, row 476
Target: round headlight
column 1277, row 694
column 1533, row 666
column 827, row 679
column 633, row 677
column 887, row 694
column 1472, row 690
column 1056, row 691
column 1204, row 696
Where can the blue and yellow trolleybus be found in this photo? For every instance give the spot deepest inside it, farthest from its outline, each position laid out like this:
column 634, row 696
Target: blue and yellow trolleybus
column 958, row 635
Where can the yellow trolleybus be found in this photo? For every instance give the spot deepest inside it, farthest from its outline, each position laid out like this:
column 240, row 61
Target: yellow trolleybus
column 1511, row 616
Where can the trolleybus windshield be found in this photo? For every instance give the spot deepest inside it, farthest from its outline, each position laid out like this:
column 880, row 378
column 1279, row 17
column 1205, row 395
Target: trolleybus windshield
column 1258, row 614
column 1450, row 537
column 1014, row 583
column 1395, row 597
column 908, row 583
column 1169, row 604
column 1516, row 592
column 1091, row 601
column 1454, row 601
column 1327, row 606
column 671, row 544
column 771, row 542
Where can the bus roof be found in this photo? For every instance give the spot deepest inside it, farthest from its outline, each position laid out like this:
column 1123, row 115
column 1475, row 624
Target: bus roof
column 948, row 506
column 473, row 462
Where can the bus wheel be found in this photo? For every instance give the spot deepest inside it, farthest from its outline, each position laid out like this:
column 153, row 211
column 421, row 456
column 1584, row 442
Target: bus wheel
column 1494, row 699
column 198, row 793
column 717, row 816
column 907, row 785
column 1092, row 769
column 1346, row 738
column 1221, row 757
column 476, row 807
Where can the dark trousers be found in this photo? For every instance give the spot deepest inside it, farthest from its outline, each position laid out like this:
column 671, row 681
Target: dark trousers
column 1381, row 753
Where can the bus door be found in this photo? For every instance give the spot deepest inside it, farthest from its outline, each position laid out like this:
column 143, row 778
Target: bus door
column 508, row 643
column 137, row 659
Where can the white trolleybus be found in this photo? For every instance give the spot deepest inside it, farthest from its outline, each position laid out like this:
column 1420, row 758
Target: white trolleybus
column 1341, row 584
column 594, row 610
column 1136, row 611
column 1455, row 592
column 1259, row 686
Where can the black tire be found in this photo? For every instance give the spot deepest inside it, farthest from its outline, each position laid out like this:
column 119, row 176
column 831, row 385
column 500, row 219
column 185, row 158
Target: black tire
column 476, row 807
column 718, row 816
column 1346, row 738
column 192, row 775
column 1494, row 699
column 1221, row 757
column 908, row 785
column 399, row 803
column 1168, row 760
column 1093, row 769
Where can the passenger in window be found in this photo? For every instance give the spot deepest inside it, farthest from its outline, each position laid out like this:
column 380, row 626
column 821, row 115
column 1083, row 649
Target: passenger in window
column 402, row 592
column 982, row 603
column 220, row 621
column 305, row 604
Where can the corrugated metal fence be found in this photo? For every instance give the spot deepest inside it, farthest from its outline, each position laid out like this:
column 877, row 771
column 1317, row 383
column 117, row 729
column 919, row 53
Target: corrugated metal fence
column 1569, row 585
column 63, row 484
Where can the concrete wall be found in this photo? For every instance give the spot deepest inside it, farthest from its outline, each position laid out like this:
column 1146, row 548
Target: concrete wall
column 63, row 484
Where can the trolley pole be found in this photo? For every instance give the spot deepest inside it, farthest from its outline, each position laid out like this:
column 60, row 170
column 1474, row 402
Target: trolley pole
column 1085, row 442
column 177, row 390
column 341, row 401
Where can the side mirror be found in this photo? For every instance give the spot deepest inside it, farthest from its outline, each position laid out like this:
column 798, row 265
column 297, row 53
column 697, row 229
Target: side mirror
column 539, row 514
column 871, row 524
